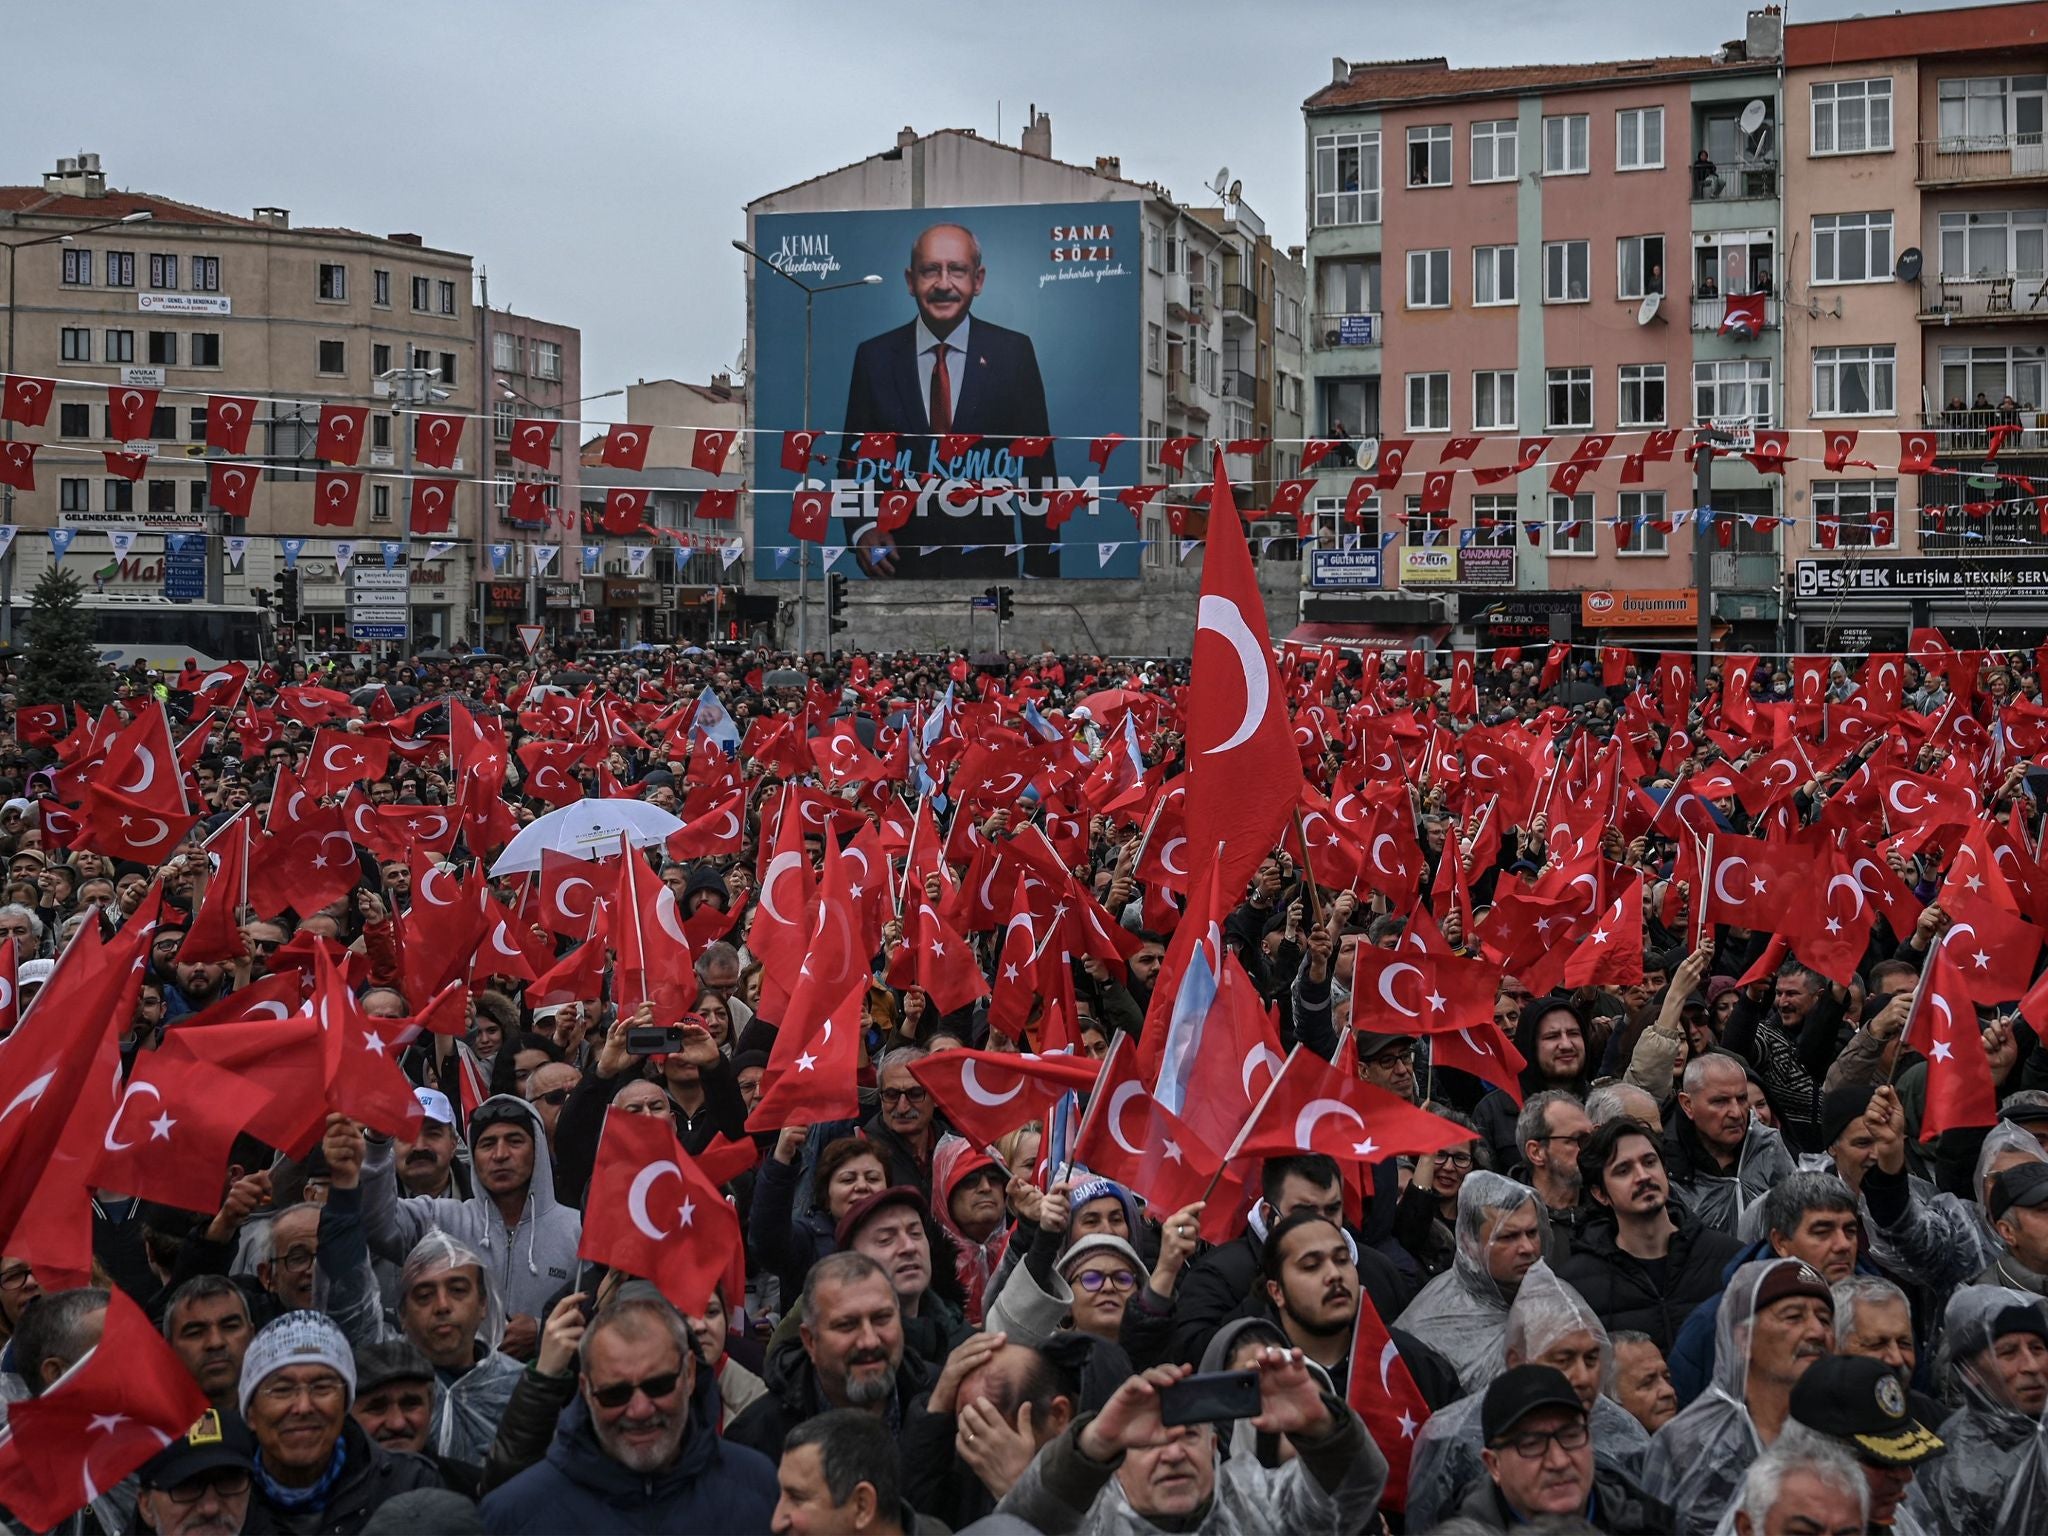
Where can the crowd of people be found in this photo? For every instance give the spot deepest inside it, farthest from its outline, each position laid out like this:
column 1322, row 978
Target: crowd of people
column 1727, row 1211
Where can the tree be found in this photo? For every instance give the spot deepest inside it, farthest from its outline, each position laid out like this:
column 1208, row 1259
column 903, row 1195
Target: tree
column 61, row 665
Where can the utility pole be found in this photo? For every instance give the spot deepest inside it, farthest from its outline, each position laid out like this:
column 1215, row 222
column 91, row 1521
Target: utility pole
column 1705, row 442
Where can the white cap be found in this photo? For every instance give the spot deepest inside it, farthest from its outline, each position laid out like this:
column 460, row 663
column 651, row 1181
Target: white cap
column 432, row 1100
column 33, row 973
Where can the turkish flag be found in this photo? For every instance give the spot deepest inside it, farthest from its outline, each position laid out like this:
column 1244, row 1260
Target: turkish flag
column 875, row 445
column 433, row 506
column 935, row 959
column 810, row 516
column 1244, row 775
column 1769, row 453
column 1943, row 1028
column 97, row 1423
column 1463, row 700
column 533, row 441
column 18, row 465
column 529, row 504
column 953, row 445
column 1135, row 498
column 228, row 419
column 1101, row 448
column 338, row 759
column 653, row 1213
column 781, row 930
column 568, row 892
column 130, row 413
column 129, row 466
column 1610, row 954
column 840, row 756
column 437, row 438
column 26, row 400
column 1311, row 1107
column 172, row 1131
column 1380, row 1390
column 894, row 507
column 811, row 1070
column 1483, row 1051
column 1916, row 453
column 335, row 494
column 717, row 506
column 1236, row 1061
column 1129, row 1136
column 985, row 1095
column 1016, row 982
column 1355, row 498
column 1404, row 991
column 715, row 832
column 1391, row 463
column 797, row 450
column 231, row 486
column 216, row 931
column 708, row 448
column 624, row 509
column 1750, row 883
column 625, row 446
column 340, row 438
column 1566, row 477
column 1436, row 491
column 1840, row 443
column 1173, row 452
column 1992, row 949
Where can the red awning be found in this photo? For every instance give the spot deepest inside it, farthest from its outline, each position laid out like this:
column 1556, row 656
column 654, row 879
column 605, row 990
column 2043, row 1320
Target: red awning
column 1366, row 637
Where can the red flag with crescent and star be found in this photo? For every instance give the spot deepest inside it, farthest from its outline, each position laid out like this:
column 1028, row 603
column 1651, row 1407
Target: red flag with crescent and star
column 653, row 1213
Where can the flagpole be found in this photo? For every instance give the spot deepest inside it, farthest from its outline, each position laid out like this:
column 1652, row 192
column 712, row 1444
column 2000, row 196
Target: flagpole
column 1237, row 1141
column 1095, row 1100
column 1912, row 1012
column 909, row 856
column 1145, row 838
column 1315, row 896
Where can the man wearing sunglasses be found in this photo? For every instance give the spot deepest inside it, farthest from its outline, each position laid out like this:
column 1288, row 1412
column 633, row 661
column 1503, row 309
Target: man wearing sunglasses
column 199, row 1485
column 547, row 1089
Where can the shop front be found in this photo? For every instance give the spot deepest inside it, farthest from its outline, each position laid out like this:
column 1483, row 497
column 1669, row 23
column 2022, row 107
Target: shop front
column 1859, row 603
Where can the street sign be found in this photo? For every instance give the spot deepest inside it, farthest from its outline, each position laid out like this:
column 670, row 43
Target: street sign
column 375, row 613
column 375, row 631
column 529, row 636
column 1344, row 568
column 369, row 577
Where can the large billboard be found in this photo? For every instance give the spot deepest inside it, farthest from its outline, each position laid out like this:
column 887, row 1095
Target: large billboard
column 991, row 327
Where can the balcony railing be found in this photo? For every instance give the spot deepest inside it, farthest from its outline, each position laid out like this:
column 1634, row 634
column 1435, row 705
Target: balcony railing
column 1723, row 181
column 1967, row 432
column 1983, row 158
column 1992, row 296
column 1362, row 330
column 1710, row 309
column 1238, row 385
column 1737, row 568
column 1240, row 300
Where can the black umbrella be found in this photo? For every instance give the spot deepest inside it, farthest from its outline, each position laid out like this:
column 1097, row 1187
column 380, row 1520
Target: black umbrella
column 783, row 677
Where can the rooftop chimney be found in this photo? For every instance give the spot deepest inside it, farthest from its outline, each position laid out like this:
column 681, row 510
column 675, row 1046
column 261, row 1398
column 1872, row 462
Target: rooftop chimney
column 905, row 136
column 1109, row 165
column 1765, row 39
column 276, row 218
column 1339, row 71
column 76, row 176
column 405, row 239
column 1038, row 133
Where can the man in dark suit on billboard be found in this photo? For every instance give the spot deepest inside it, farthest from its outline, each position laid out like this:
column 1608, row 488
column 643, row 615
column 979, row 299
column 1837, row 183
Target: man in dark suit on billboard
column 947, row 372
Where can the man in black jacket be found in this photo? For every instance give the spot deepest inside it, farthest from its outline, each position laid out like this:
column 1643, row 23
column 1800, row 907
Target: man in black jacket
column 1539, row 1461
column 1639, row 1264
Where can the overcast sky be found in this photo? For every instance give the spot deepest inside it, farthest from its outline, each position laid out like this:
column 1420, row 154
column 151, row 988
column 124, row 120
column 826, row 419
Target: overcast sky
column 595, row 158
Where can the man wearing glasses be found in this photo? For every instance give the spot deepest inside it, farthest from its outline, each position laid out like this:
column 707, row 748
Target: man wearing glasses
column 199, row 1485
column 1539, row 1461
column 1550, row 1130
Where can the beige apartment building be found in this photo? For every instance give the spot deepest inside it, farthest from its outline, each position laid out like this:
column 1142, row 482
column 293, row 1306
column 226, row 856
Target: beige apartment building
column 190, row 301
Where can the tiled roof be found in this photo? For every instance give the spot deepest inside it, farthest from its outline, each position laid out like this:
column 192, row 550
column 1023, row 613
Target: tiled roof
column 114, row 205
column 1429, row 79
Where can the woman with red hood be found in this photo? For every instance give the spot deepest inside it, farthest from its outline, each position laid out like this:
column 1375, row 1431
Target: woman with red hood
column 970, row 1186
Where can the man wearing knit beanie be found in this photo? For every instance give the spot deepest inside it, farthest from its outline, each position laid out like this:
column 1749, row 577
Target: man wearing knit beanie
column 315, row 1468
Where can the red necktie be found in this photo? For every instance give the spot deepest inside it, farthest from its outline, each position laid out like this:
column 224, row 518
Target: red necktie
column 942, row 392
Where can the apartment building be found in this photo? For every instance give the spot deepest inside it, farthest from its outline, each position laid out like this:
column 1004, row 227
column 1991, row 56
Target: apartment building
column 1917, row 185
column 1502, row 256
column 110, row 287
column 536, row 374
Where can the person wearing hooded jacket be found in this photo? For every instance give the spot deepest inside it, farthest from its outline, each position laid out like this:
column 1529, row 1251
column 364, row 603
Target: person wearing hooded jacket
column 528, row 1239
column 1994, row 1475
column 955, row 1162
column 1549, row 1324
column 1552, row 1039
column 1720, row 1155
column 1463, row 1313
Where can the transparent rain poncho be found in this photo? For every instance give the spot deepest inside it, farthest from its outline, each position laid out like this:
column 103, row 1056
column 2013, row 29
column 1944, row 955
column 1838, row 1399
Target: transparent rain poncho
column 1697, row 1461
column 1463, row 1313
column 1545, row 1313
column 1993, row 1476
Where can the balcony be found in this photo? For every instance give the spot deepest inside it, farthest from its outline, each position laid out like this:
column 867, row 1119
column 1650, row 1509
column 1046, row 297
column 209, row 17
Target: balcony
column 1738, row 568
column 1330, row 332
column 1967, row 434
column 1982, row 159
column 1240, row 302
column 1238, row 385
column 1736, row 180
column 1180, row 394
column 1990, row 298
column 1710, row 309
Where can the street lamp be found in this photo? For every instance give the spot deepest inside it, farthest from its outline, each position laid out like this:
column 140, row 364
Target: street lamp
column 803, row 568
column 506, row 390
column 139, row 216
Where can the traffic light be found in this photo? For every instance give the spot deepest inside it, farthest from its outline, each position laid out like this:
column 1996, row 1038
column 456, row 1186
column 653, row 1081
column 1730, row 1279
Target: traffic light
column 288, row 596
column 1004, row 611
column 835, row 603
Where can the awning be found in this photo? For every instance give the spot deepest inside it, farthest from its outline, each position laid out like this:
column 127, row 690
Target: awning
column 1365, row 637
column 1676, row 638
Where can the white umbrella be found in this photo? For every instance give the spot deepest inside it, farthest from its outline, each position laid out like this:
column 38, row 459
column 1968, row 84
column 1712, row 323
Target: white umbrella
column 588, row 829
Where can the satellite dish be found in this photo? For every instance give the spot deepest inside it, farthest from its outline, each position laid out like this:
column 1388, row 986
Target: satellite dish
column 1236, row 191
column 1368, row 453
column 1908, row 269
column 1647, row 310
column 1222, row 180
column 1753, row 116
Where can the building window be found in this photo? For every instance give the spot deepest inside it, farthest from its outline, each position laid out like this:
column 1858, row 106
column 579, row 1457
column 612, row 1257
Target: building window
column 422, row 358
column 163, row 348
column 1152, row 247
column 1429, row 279
column 1429, row 402
column 77, row 268
column 380, row 503
column 163, row 495
column 333, row 357
column 380, row 430
column 547, row 360
column 1990, row 113
column 1493, row 400
column 1347, row 182
column 1853, row 381
column 1496, row 151
column 422, row 295
column 380, row 357
column 195, row 424
column 1571, row 524
column 1155, row 347
column 1565, row 141
column 503, row 414
column 1642, row 395
column 120, row 346
column 195, row 499
column 1865, row 512
column 447, row 367
column 74, row 495
column 1568, row 399
column 74, row 420
column 1639, row 266
column 1493, row 521
column 205, row 349
column 1641, row 509
column 1429, row 156
column 1995, row 243
column 1493, row 274
column 1992, row 372
column 333, row 281
column 75, row 344
column 1567, row 266
column 1733, row 389
column 1852, row 247
column 380, row 287
column 507, row 354
column 1852, row 117
column 444, row 296
column 163, row 272
column 118, row 495
column 206, row 274
column 1639, row 139
column 163, row 423
column 120, row 269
